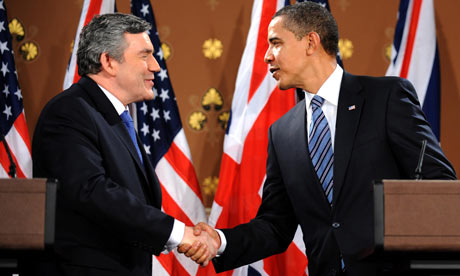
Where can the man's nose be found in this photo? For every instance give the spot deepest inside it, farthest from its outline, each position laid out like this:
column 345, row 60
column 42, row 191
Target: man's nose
column 153, row 65
column 268, row 56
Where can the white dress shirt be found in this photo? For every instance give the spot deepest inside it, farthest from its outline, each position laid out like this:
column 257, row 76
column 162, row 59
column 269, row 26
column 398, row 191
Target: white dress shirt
column 179, row 227
column 329, row 91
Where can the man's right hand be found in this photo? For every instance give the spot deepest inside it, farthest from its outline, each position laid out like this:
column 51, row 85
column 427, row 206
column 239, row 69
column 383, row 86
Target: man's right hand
column 203, row 246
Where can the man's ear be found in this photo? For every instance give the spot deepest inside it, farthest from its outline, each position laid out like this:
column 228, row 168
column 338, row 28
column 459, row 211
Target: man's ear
column 108, row 64
column 313, row 42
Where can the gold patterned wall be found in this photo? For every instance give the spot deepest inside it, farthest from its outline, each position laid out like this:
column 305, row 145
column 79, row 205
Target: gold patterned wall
column 203, row 41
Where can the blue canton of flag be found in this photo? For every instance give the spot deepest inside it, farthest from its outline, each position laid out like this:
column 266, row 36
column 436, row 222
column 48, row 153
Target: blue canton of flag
column 158, row 120
column 11, row 98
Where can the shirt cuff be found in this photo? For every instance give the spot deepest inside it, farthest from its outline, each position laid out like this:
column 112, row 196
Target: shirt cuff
column 177, row 234
column 223, row 243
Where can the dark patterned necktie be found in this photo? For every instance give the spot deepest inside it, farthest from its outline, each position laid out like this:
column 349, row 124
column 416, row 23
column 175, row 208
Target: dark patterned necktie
column 128, row 121
column 320, row 147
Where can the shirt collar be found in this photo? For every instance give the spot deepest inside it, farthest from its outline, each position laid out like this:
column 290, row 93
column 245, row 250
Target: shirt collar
column 330, row 89
column 117, row 104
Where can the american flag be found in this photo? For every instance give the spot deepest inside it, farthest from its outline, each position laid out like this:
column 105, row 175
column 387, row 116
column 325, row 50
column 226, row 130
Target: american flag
column 89, row 10
column 12, row 121
column 160, row 129
column 414, row 55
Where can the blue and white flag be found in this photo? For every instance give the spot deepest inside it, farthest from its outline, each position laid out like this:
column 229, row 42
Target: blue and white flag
column 414, row 55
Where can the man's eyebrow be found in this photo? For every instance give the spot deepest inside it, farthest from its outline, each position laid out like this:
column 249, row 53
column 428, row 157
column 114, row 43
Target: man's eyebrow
column 146, row 51
column 271, row 39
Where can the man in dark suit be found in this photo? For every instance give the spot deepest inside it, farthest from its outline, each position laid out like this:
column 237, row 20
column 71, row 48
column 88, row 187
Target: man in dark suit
column 325, row 152
column 108, row 217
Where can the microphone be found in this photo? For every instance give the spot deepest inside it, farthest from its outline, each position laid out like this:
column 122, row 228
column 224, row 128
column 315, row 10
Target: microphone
column 418, row 170
column 12, row 171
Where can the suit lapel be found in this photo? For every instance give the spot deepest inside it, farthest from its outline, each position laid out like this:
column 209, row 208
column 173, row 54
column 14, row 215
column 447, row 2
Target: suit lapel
column 105, row 107
column 302, row 165
column 349, row 110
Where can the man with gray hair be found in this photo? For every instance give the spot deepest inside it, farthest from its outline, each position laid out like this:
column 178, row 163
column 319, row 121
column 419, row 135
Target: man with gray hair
column 108, row 218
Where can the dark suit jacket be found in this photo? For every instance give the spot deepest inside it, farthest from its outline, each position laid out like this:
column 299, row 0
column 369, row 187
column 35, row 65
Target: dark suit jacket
column 379, row 139
column 108, row 217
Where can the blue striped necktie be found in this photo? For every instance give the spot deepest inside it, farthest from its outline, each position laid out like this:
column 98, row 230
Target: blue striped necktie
column 320, row 147
column 128, row 121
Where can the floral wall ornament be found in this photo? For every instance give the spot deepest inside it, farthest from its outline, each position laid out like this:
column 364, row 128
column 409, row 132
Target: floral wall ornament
column 209, row 185
column 345, row 48
column 197, row 120
column 166, row 50
column 223, row 119
column 212, row 97
column 213, row 48
column 17, row 29
column 29, row 51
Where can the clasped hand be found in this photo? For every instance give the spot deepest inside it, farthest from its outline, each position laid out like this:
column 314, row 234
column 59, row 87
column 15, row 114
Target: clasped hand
column 200, row 243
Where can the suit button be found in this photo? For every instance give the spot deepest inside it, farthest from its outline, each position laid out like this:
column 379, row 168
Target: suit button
column 336, row 225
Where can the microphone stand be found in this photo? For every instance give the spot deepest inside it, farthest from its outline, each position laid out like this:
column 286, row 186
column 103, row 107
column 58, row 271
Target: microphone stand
column 12, row 169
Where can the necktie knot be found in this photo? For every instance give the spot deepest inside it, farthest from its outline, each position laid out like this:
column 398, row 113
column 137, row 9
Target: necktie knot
column 126, row 118
column 317, row 102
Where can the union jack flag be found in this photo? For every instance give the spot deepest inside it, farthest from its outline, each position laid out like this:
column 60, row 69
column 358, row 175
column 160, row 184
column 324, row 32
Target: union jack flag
column 160, row 129
column 414, row 55
column 12, row 119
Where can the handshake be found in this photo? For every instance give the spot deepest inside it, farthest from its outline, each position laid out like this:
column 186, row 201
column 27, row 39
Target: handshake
column 200, row 243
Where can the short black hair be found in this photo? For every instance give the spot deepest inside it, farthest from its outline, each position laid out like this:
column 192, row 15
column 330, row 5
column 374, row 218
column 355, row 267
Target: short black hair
column 303, row 18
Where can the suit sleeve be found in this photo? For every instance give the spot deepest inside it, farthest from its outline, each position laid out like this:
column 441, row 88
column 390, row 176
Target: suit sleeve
column 270, row 232
column 67, row 146
column 407, row 127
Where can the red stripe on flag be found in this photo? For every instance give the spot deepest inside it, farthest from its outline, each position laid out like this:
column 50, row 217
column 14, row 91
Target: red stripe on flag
column 291, row 260
column 93, row 9
column 6, row 162
column 260, row 68
column 239, row 184
column 21, row 128
column 171, row 208
column 183, row 167
column 411, row 38
column 172, row 265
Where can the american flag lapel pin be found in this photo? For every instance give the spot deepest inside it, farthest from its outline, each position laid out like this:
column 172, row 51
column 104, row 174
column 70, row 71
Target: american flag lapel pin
column 351, row 107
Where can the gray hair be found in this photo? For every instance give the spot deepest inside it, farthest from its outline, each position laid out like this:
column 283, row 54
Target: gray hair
column 305, row 17
column 105, row 34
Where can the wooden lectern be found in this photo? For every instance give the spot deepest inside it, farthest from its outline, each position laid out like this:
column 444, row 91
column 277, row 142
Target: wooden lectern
column 27, row 214
column 420, row 220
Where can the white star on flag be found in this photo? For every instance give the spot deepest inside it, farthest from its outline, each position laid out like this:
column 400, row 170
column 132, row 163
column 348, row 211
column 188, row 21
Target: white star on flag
column 155, row 114
column 160, row 54
column 166, row 115
column 145, row 9
column 145, row 129
column 156, row 135
column 144, row 108
column 147, row 149
column 6, row 91
column 7, row 112
column 18, row 94
column 164, row 94
column 163, row 74
column 4, row 46
column 2, row 26
column 4, row 69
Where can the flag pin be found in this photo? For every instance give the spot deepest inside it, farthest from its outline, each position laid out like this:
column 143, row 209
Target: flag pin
column 351, row 107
